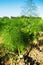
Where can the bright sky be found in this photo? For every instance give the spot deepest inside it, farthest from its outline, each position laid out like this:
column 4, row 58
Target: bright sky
column 13, row 7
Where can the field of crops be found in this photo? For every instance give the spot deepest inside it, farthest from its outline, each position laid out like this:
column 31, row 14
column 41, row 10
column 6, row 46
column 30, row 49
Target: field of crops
column 18, row 33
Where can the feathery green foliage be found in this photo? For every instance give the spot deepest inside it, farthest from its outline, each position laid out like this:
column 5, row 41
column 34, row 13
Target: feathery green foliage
column 16, row 32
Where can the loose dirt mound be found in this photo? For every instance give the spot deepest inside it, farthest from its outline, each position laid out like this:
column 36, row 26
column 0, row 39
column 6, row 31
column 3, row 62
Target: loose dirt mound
column 36, row 55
